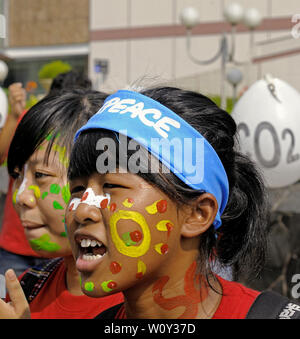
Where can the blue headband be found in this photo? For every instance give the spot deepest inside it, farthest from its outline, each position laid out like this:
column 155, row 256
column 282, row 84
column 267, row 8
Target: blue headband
column 156, row 128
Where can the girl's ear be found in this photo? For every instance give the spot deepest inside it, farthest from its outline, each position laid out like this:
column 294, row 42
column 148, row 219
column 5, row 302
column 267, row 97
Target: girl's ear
column 199, row 216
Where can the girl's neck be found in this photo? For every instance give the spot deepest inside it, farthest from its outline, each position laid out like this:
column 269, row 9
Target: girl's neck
column 72, row 276
column 174, row 297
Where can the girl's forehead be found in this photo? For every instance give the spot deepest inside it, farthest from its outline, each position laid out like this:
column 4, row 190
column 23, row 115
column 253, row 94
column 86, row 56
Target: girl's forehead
column 57, row 158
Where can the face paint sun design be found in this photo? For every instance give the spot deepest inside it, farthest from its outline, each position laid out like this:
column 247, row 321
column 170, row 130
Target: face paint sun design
column 135, row 243
column 121, row 246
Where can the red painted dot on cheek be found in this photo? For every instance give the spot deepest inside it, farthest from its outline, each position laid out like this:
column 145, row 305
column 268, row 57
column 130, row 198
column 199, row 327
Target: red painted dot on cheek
column 115, row 267
column 162, row 206
column 104, row 203
column 84, row 197
column 169, row 228
column 139, row 275
column 136, row 236
column 112, row 285
column 164, row 248
column 113, row 207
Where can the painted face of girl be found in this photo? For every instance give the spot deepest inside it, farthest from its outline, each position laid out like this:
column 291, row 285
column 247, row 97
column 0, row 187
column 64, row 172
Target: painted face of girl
column 121, row 230
column 41, row 194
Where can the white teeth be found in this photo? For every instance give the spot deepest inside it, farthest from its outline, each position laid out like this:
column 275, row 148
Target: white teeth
column 85, row 242
column 91, row 257
column 93, row 243
column 89, row 242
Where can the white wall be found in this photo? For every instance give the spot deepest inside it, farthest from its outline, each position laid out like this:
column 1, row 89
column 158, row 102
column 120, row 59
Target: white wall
column 167, row 58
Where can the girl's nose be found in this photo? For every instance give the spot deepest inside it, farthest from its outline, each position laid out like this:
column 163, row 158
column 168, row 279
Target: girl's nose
column 85, row 214
column 26, row 196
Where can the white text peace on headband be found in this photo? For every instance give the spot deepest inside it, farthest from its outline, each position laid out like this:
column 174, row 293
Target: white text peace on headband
column 161, row 125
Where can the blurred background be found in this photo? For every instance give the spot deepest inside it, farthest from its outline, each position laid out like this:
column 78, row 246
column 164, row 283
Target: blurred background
column 116, row 42
column 245, row 55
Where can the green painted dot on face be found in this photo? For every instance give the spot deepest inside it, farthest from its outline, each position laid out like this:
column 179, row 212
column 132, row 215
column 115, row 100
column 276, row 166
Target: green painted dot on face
column 44, row 195
column 89, row 286
column 57, row 205
column 65, row 192
column 43, row 243
column 54, row 189
column 127, row 239
column 108, row 286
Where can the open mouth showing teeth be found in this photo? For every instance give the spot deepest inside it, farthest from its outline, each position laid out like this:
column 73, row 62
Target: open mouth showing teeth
column 91, row 249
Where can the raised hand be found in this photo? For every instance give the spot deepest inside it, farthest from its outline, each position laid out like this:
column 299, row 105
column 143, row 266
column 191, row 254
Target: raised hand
column 18, row 307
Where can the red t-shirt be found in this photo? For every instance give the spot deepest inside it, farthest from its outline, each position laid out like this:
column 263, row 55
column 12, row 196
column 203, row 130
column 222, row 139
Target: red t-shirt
column 54, row 301
column 12, row 236
column 235, row 303
column 236, row 300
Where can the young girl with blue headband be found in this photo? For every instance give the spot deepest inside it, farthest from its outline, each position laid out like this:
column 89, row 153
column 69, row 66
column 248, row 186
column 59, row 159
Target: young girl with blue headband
column 157, row 182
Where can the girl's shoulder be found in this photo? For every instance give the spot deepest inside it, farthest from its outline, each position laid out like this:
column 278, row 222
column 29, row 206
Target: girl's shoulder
column 240, row 302
column 236, row 300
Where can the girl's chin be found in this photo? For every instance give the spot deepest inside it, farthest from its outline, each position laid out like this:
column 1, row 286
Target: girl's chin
column 96, row 288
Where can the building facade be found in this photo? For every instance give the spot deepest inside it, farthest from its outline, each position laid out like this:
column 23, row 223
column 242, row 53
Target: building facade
column 119, row 42
column 142, row 38
column 40, row 31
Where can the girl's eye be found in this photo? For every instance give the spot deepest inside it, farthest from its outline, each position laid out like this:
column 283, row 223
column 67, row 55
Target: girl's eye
column 77, row 189
column 112, row 186
column 40, row 175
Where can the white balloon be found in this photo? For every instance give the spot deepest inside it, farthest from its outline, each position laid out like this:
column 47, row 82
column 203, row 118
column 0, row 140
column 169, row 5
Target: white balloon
column 3, row 107
column 268, row 119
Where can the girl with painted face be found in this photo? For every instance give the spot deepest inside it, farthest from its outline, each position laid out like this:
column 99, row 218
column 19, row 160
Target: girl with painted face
column 38, row 160
column 157, row 184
